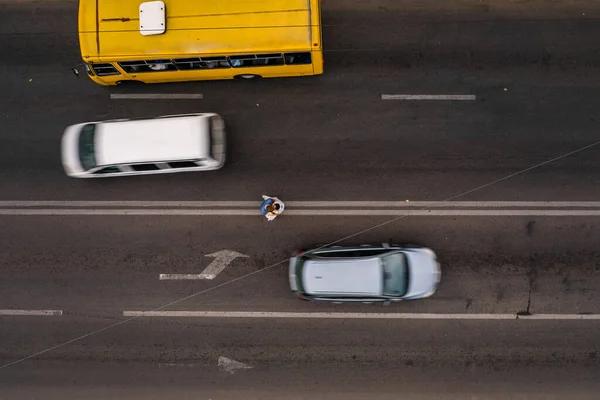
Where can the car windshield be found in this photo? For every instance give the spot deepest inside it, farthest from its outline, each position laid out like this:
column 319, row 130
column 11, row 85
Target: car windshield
column 86, row 147
column 395, row 274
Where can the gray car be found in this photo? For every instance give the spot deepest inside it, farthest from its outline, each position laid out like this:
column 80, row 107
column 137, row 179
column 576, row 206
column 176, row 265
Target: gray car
column 366, row 273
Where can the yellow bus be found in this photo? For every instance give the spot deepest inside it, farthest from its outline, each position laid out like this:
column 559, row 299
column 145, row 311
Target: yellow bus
column 189, row 40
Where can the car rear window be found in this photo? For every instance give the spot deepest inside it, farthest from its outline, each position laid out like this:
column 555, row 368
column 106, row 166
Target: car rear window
column 299, row 267
column 395, row 274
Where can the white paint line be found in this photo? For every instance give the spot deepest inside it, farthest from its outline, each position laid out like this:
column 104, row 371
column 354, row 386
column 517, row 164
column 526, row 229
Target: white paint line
column 471, row 213
column 31, row 312
column 221, row 260
column 561, row 316
column 134, row 203
column 302, row 212
column 57, row 211
column 315, row 315
column 428, row 97
column 154, row 96
column 230, row 365
column 447, row 204
column 320, row 204
column 175, row 365
column 179, row 277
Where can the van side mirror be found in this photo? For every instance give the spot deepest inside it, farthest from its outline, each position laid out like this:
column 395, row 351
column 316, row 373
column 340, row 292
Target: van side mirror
column 387, row 303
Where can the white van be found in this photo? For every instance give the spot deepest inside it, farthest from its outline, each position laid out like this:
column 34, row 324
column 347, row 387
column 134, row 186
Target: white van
column 168, row 144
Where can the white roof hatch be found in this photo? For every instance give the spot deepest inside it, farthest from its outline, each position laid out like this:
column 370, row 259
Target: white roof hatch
column 152, row 18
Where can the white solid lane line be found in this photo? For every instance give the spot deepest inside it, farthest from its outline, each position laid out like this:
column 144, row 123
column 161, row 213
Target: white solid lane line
column 155, row 96
column 334, row 315
column 304, row 212
column 306, row 208
column 316, row 315
column 320, row 204
column 561, row 316
column 460, row 97
column 184, row 277
column 31, row 312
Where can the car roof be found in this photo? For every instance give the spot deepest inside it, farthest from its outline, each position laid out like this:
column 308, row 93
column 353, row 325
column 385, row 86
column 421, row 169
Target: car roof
column 152, row 140
column 337, row 276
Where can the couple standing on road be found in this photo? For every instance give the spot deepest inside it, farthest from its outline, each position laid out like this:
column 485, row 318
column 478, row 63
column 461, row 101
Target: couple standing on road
column 271, row 207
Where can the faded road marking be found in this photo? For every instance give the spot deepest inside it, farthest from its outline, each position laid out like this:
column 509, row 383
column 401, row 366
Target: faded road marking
column 155, row 96
column 31, row 312
column 461, row 97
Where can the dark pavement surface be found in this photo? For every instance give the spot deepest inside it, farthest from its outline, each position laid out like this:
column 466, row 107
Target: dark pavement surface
column 534, row 69
column 332, row 137
column 290, row 359
column 100, row 266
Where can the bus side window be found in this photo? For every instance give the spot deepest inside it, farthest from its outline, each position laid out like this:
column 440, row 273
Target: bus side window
column 297, row 58
column 188, row 63
column 103, row 69
column 147, row 66
column 215, row 62
column 256, row 60
column 184, row 64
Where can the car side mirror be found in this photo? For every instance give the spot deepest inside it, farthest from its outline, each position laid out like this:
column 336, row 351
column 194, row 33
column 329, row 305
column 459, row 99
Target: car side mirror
column 75, row 71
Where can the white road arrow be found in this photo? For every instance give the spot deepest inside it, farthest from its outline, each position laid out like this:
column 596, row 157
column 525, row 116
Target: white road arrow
column 221, row 260
column 230, row 365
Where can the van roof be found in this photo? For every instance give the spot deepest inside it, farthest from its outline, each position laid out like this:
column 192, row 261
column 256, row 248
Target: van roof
column 152, row 140
column 362, row 276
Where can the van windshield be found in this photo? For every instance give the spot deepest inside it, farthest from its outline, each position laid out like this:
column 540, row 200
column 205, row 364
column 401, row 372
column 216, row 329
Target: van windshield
column 87, row 157
column 395, row 274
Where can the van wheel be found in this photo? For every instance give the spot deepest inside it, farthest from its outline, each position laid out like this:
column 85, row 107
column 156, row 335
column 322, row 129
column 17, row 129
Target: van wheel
column 247, row 76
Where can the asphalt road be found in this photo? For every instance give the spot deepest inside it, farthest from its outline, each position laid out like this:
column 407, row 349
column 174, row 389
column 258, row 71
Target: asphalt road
column 533, row 68
column 332, row 137
column 157, row 359
column 101, row 266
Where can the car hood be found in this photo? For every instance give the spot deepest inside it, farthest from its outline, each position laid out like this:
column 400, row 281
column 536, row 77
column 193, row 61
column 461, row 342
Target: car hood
column 424, row 273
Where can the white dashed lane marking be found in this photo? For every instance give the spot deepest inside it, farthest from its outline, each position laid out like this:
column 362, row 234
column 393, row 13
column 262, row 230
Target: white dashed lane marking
column 155, row 96
column 446, row 97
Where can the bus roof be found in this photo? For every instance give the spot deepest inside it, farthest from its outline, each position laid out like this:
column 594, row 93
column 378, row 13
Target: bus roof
column 110, row 29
